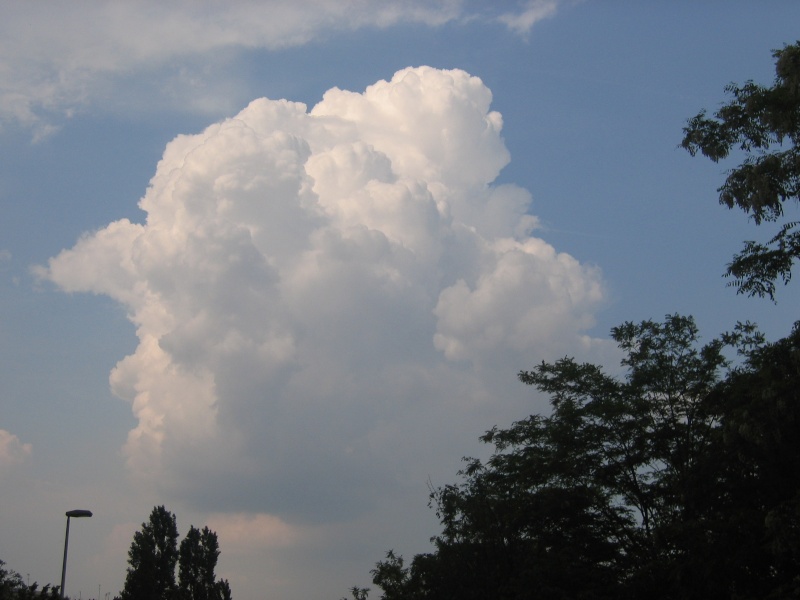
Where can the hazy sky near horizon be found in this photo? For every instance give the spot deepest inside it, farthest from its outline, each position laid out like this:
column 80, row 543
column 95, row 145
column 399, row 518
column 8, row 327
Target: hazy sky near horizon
column 277, row 264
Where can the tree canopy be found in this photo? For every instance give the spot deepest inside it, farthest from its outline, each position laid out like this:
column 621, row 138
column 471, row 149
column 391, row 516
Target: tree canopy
column 199, row 552
column 764, row 123
column 152, row 558
column 14, row 587
column 680, row 479
column 154, row 553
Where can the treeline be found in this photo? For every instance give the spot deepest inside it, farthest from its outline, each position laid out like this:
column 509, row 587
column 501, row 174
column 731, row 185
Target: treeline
column 152, row 560
column 679, row 479
column 14, row 587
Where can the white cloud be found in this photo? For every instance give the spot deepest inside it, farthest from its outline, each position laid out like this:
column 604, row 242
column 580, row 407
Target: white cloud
column 77, row 54
column 534, row 11
column 241, row 533
column 316, row 292
column 12, row 450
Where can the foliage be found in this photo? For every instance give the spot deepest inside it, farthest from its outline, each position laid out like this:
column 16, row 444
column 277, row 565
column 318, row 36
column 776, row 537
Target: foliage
column 764, row 122
column 761, row 431
column 198, row 556
column 154, row 554
column 152, row 558
column 680, row 479
column 13, row 587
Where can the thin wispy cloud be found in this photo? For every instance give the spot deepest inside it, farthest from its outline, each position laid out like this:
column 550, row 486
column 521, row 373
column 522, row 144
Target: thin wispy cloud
column 73, row 55
column 522, row 21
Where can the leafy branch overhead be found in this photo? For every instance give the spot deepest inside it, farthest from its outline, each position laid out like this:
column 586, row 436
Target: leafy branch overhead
column 763, row 122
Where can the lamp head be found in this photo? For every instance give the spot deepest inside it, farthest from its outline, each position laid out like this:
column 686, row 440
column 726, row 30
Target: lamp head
column 79, row 513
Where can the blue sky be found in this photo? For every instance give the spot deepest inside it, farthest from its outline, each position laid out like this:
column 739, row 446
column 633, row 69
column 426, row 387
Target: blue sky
column 324, row 307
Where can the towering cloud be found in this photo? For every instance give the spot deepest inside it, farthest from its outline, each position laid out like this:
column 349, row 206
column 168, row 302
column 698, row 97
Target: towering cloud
column 314, row 291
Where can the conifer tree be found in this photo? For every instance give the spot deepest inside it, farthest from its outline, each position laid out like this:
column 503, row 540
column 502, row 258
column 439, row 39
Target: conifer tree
column 152, row 558
column 197, row 561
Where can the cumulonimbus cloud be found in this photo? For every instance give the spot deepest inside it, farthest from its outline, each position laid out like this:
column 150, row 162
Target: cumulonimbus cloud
column 313, row 290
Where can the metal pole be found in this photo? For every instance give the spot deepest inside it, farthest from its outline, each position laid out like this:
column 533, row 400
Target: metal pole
column 64, row 565
column 70, row 513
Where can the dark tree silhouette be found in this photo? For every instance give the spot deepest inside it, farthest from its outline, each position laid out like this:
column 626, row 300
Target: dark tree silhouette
column 763, row 122
column 152, row 558
column 154, row 553
column 197, row 561
column 14, row 587
column 680, row 479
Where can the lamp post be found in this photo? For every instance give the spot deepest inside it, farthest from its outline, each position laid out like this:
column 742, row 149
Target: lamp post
column 70, row 513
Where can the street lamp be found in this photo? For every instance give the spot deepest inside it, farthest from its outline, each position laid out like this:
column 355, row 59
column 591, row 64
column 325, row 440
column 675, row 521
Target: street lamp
column 70, row 513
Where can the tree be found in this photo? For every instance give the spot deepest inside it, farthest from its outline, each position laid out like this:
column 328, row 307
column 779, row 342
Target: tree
column 154, row 554
column 198, row 556
column 764, row 122
column 591, row 498
column 152, row 558
column 761, row 431
column 680, row 479
column 13, row 587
